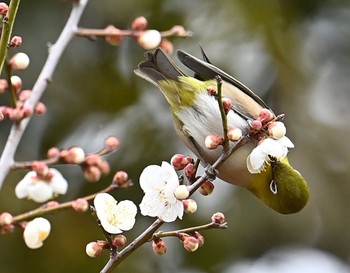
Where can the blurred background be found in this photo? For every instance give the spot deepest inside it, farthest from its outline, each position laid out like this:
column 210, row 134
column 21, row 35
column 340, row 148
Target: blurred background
column 294, row 54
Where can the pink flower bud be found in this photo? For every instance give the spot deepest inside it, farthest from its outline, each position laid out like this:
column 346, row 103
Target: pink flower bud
column 167, row 46
column 139, row 23
column 206, row 188
column 93, row 159
column 40, row 109
column 149, row 39
column 234, row 134
column 218, row 218
column 159, row 247
column 40, row 168
column 16, row 41
column 119, row 241
column 265, row 115
column 199, row 238
column 179, row 31
column 5, row 218
column 19, row 61
column 114, row 38
column 51, row 204
column 190, row 206
column 53, row 153
column 190, row 171
column 80, row 205
column 94, row 249
column 111, row 143
column 190, row 243
column 256, row 125
column 121, row 179
column 75, row 155
column 277, row 129
column 92, row 173
column 213, row 141
column 227, row 104
column 104, row 167
column 3, row 8
column 3, row 85
column 212, row 91
column 181, row 192
column 16, row 83
column 24, row 95
column 179, row 161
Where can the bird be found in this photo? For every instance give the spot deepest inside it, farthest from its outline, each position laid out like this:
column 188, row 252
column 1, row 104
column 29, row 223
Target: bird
column 196, row 115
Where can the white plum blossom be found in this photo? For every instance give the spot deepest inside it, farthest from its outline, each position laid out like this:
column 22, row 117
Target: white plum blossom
column 36, row 231
column 114, row 217
column 41, row 189
column 159, row 184
column 276, row 148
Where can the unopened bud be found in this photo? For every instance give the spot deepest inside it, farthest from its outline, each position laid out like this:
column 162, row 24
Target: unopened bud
column 265, row 115
column 167, row 46
column 190, row 206
column 94, row 249
column 111, row 143
column 16, row 82
column 5, row 218
column 218, row 218
column 212, row 91
column 190, row 243
column 139, row 23
column 199, row 238
column 80, row 205
column 179, row 31
column 256, row 125
column 3, row 85
column 149, row 39
column 16, row 41
column 234, row 134
column 40, row 109
column 24, row 95
column 277, row 129
column 92, row 173
column 159, row 247
column 213, row 141
column 227, row 104
column 119, row 241
column 190, row 171
column 19, row 61
column 181, row 192
column 114, row 38
column 53, row 153
column 75, row 155
column 4, row 8
column 40, row 168
column 206, row 188
column 179, row 161
column 121, row 179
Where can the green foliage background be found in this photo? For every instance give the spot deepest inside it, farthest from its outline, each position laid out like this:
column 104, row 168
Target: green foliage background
column 295, row 54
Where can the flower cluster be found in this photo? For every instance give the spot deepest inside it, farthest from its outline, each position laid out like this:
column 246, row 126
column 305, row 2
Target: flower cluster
column 273, row 147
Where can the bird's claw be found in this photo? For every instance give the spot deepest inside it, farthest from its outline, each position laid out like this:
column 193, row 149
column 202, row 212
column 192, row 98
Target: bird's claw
column 211, row 172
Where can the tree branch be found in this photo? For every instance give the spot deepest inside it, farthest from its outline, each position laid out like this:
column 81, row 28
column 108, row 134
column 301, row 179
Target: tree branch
column 55, row 53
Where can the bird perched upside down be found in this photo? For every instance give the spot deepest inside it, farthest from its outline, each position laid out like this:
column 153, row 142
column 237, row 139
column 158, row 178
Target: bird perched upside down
column 196, row 113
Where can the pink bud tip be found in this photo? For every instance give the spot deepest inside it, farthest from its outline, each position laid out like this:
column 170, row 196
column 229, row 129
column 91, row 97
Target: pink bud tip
column 213, row 141
column 159, row 247
column 234, row 134
column 121, row 179
column 139, row 23
column 218, row 218
column 206, row 188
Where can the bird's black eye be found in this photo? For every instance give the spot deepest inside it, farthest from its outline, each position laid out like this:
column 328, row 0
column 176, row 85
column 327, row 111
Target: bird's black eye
column 273, row 187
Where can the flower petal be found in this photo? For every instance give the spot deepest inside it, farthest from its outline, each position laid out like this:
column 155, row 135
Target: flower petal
column 58, row 183
column 40, row 192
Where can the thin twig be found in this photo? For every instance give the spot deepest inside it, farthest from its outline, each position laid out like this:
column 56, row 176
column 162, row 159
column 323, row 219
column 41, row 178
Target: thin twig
column 55, row 53
column 7, row 31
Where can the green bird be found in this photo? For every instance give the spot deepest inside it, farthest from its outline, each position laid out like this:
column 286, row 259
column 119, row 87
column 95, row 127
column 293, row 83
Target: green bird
column 196, row 115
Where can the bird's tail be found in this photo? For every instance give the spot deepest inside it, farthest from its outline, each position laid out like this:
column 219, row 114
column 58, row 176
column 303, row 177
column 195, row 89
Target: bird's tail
column 158, row 67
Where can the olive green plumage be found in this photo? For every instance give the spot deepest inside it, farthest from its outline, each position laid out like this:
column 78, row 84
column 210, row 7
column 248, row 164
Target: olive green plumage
column 196, row 115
